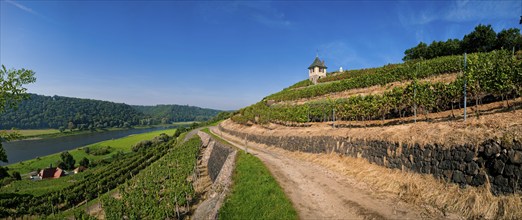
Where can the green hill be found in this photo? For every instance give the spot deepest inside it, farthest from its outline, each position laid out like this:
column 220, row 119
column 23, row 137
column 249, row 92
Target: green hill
column 40, row 112
column 177, row 113
column 491, row 76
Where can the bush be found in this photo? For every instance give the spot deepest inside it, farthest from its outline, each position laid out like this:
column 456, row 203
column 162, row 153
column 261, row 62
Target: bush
column 84, row 162
column 142, row 145
column 16, row 175
column 101, row 151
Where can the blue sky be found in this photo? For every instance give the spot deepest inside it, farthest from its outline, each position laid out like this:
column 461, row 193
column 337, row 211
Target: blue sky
column 218, row 54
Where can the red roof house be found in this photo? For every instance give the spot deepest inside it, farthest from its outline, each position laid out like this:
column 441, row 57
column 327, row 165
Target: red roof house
column 52, row 172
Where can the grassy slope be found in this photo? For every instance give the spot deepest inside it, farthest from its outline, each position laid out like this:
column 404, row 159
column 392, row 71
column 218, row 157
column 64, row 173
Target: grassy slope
column 42, row 187
column 37, row 188
column 255, row 193
column 122, row 144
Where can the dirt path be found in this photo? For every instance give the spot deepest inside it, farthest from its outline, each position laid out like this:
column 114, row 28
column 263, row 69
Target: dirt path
column 319, row 193
column 191, row 134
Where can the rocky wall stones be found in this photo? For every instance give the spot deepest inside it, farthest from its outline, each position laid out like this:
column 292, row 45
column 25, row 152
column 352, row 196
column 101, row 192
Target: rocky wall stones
column 218, row 156
column 495, row 161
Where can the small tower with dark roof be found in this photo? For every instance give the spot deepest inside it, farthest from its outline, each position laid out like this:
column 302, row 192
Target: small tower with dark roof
column 317, row 70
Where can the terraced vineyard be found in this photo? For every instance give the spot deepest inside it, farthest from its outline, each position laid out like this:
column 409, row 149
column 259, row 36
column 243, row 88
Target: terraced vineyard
column 161, row 191
column 489, row 77
column 91, row 185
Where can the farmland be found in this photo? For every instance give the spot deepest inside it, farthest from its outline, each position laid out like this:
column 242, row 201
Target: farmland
column 116, row 146
column 70, row 191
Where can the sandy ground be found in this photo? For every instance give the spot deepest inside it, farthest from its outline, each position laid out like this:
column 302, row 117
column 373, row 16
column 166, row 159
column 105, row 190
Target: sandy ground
column 319, row 193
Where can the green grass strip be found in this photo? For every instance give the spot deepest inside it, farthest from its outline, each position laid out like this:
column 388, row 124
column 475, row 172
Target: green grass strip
column 255, row 193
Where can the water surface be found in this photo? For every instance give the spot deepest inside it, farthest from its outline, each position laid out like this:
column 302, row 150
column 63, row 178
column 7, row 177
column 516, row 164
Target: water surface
column 29, row 149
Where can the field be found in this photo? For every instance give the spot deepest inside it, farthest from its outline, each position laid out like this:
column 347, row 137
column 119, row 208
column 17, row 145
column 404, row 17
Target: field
column 123, row 145
column 27, row 198
column 170, row 192
column 35, row 132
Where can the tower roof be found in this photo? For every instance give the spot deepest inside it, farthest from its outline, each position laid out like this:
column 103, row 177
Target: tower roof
column 317, row 62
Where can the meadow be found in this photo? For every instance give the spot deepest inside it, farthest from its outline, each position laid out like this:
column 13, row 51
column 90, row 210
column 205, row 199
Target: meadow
column 121, row 145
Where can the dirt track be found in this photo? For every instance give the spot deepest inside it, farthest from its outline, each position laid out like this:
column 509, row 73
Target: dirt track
column 319, row 193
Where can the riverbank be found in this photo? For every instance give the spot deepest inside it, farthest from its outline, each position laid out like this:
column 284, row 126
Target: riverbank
column 36, row 134
column 96, row 152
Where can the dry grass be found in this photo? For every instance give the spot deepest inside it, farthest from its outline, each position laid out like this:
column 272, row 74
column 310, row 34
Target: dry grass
column 441, row 128
column 421, row 190
column 373, row 90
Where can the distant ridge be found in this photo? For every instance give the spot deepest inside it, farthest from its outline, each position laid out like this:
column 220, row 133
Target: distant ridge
column 177, row 113
column 41, row 112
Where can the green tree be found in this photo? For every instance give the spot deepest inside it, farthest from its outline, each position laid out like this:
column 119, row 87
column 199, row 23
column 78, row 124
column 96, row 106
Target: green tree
column 12, row 92
column 16, row 175
column 68, row 160
column 482, row 39
column 421, row 50
column 84, row 162
column 3, row 172
column 507, row 39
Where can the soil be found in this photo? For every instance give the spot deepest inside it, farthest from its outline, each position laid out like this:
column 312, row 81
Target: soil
column 320, row 193
column 372, row 90
column 445, row 128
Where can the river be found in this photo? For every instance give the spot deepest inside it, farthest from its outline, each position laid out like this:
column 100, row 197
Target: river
column 29, row 149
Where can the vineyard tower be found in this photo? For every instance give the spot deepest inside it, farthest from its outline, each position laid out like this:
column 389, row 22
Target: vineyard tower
column 316, row 70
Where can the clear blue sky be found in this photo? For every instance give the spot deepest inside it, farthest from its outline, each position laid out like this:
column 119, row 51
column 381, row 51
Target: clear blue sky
column 218, row 54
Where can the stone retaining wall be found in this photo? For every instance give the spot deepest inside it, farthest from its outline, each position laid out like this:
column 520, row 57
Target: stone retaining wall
column 493, row 161
column 220, row 162
column 217, row 158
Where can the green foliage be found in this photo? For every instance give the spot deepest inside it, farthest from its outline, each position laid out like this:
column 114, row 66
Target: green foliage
column 84, row 162
column 3, row 172
column 68, row 160
column 6, row 136
column 16, row 175
column 161, row 191
column 87, row 186
column 495, row 73
column 166, row 114
column 508, row 39
column 435, row 49
column 85, row 114
column 99, row 151
column 12, row 93
column 371, row 77
column 69, row 113
column 481, row 39
column 255, row 193
column 121, row 144
column 11, row 90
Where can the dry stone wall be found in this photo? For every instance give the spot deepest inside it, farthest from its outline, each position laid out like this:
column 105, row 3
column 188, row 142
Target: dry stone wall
column 218, row 156
column 492, row 161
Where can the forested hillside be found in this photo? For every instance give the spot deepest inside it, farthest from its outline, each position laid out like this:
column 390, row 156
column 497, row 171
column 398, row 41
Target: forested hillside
column 75, row 113
column 177, row 113
column 69, row 113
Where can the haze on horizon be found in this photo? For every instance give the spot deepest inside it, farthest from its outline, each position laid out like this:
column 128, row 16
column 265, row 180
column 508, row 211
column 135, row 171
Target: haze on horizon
column 222, row 55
